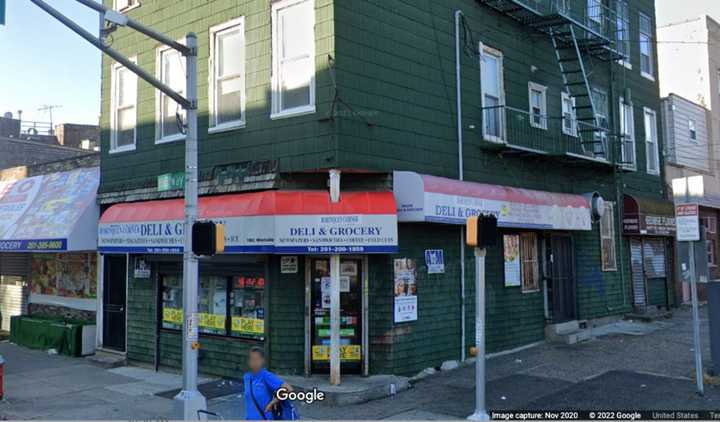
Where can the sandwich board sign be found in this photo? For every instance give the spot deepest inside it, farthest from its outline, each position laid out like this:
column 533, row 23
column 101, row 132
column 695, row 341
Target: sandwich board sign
column 687, row 221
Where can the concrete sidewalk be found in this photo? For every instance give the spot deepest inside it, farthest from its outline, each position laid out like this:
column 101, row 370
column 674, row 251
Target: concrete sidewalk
column 629, row 367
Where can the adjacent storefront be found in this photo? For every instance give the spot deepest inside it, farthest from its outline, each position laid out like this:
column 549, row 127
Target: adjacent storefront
column 48, row 226
column 649, row 226
column 278, row 243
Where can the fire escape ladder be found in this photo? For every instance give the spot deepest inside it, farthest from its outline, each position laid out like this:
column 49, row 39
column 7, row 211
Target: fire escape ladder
column 575, row 80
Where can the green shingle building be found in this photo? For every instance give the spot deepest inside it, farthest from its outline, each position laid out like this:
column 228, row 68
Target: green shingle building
column 541, row 112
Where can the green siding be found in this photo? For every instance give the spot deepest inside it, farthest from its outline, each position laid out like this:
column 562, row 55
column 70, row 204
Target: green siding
column 298, row 143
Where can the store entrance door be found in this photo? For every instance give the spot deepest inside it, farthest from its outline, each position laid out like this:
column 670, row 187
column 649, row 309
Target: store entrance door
column 351, row 280
column 562, row 279
column 114, row 290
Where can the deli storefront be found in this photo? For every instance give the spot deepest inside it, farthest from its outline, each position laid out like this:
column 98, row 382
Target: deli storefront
column 649, row 230
column 270, row 288
column 48, row 226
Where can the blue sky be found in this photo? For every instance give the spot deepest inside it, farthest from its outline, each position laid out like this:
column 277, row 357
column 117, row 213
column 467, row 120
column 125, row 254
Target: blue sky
column 45, row 63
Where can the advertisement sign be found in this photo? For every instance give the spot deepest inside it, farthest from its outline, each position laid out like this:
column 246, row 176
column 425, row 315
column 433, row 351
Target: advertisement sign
column 142, row 268
column 435, row 261
column 405, row 290
column 64, row 279
column 288, row 264
column 687, row 220
column 40, row 213
column 439, row 200
column 300, row 234
column 511, row 253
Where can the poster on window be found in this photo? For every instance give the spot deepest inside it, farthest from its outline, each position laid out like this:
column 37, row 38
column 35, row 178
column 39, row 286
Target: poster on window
column 511, row 252
column 405, row 290
column 64, row 279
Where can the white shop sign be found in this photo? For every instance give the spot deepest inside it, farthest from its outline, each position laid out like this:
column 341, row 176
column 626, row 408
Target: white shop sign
column 374, row 233
column 687, row 222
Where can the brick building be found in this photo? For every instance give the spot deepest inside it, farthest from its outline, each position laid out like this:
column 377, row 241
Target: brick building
column 559, row 108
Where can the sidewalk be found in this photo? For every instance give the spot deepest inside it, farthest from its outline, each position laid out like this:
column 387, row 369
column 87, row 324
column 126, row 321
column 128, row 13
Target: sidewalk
column 615, row 371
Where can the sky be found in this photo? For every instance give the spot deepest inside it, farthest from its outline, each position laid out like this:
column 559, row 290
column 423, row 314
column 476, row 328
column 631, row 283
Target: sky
column 44, row 63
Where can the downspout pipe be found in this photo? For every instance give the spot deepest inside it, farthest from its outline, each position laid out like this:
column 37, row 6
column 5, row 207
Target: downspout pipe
column 458, row 105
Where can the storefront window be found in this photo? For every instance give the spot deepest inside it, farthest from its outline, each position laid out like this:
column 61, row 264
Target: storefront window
column 607, row 238
column 247, row 311
column 172, row 301
column 227, row 306
column 212, row 305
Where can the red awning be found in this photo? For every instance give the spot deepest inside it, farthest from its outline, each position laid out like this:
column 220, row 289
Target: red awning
column 260, row 222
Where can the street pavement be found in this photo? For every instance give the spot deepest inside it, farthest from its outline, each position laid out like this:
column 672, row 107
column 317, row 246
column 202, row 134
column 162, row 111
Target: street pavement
column 654, row 370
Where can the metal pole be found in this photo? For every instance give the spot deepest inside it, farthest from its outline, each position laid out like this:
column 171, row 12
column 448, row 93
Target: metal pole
column 480, row 410
column 190, row 399
column 335, row 319
column 461, row 176
column 696, row 323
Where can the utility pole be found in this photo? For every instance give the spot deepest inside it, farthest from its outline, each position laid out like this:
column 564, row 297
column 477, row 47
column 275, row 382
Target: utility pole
column 189, row 401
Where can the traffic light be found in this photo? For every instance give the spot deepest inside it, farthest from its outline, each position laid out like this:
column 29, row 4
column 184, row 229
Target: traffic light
column 481, row 231
column 208, row 238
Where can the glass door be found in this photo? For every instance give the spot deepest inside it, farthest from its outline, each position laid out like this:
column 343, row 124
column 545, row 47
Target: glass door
column 350, row 315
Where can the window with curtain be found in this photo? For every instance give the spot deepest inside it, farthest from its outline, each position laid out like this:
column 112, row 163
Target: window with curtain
column 530, row 263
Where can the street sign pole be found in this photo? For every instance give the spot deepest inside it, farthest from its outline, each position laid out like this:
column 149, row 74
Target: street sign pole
column 480, row 413
column 696, row 322
column 190, row 399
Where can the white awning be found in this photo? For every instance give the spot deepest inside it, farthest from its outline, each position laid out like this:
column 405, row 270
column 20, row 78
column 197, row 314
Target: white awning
column 50, row 213
column 434, row 199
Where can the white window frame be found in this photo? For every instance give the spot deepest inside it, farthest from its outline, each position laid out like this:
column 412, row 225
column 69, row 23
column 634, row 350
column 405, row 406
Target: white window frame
column 114, row 109
column 276, row 111
column 650, row 141
column 650, row 41
column 607, row 231
column 213, row 79
column 692, row 129
column 159, row 138
column 594, row 11
column 537, row 88
column 627, row 127
column 567, row 106
column 501, row 106
column 624, row 36
column 131, row 4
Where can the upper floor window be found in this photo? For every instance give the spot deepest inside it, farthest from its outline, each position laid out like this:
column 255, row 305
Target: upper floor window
column 569, row 117
column 692, row 130
column 493, row 94
column 227, row 70
column 595, row 14
column 602, row 111
column 125, row 5
column 627, row 131
column 623, row 30
column 651, row 142
column 123, row 116
column 647, row 63
column 538, row 105
column 170, row 115
column 293, row 56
